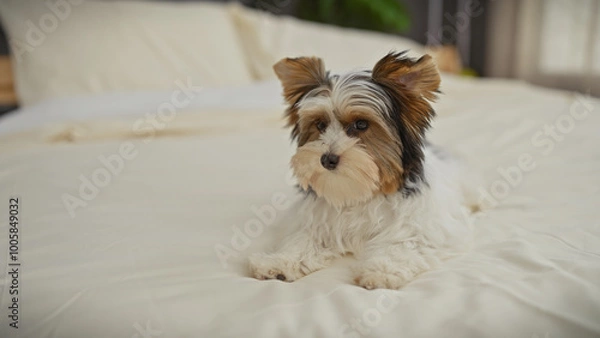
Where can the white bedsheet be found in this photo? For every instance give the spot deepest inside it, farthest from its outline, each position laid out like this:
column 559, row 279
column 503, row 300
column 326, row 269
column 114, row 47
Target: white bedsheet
column 139, row 259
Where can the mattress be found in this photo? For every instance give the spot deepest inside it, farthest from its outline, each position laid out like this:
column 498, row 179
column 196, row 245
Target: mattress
column 133, row 221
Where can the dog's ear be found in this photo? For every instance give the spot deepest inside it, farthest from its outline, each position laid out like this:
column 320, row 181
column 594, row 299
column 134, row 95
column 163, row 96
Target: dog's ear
column 412, row 83
column 298, row 76
column 418, row 77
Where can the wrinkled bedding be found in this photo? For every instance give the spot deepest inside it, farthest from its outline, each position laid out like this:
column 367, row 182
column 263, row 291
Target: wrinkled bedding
column 131, row 231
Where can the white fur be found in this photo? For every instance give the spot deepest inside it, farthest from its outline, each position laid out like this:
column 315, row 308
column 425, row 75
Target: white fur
column 394, row 238
column 355, row 178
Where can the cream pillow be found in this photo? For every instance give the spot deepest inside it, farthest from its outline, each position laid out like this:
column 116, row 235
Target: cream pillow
column 267, row 39
column 76, row 47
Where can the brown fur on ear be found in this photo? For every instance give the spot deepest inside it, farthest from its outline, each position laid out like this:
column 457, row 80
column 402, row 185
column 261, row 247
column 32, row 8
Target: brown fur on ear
column 411, row 81
column 420, row 77
column 298, row 76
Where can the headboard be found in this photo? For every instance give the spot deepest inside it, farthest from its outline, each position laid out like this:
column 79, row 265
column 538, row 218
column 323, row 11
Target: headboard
column 420, row 12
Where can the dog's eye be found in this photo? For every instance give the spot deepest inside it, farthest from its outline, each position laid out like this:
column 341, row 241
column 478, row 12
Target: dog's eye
column 360, row 125
column 321, row 125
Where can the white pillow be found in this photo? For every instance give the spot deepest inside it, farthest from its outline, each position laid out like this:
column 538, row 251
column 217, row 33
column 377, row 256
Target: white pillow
column 267, row 39
column 73, row 47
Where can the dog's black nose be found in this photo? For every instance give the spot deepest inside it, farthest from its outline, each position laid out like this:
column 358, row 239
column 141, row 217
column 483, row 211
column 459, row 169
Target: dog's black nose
column 330, row 161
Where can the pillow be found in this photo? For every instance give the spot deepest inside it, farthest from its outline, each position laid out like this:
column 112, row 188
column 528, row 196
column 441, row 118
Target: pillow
column 75, row 47
column 267, row 39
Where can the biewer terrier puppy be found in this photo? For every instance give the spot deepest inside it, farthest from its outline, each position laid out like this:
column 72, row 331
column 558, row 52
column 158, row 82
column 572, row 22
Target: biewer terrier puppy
column 374, row 187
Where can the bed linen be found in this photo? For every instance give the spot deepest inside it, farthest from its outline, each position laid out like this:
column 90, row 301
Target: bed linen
column 158, row 250
column 65, row 48
column 268, row 38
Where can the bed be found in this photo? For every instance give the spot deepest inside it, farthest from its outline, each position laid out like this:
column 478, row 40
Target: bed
column 136, row 222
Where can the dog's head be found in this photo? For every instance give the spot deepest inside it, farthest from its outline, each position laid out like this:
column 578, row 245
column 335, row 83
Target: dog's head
column 362, row 133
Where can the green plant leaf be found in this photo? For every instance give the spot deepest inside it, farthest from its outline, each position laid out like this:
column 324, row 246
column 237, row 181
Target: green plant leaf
column 380, row 15
column 326, row 10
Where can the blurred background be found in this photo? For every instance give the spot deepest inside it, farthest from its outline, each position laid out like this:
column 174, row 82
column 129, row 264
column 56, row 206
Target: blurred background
column 553, row 43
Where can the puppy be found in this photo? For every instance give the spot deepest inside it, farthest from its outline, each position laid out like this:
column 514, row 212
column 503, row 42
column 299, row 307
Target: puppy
column 374, row 187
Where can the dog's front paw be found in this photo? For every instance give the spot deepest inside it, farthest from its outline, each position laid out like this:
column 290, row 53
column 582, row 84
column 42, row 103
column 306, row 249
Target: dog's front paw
column 370, row 280
column 378, row 278
column 274, row 266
